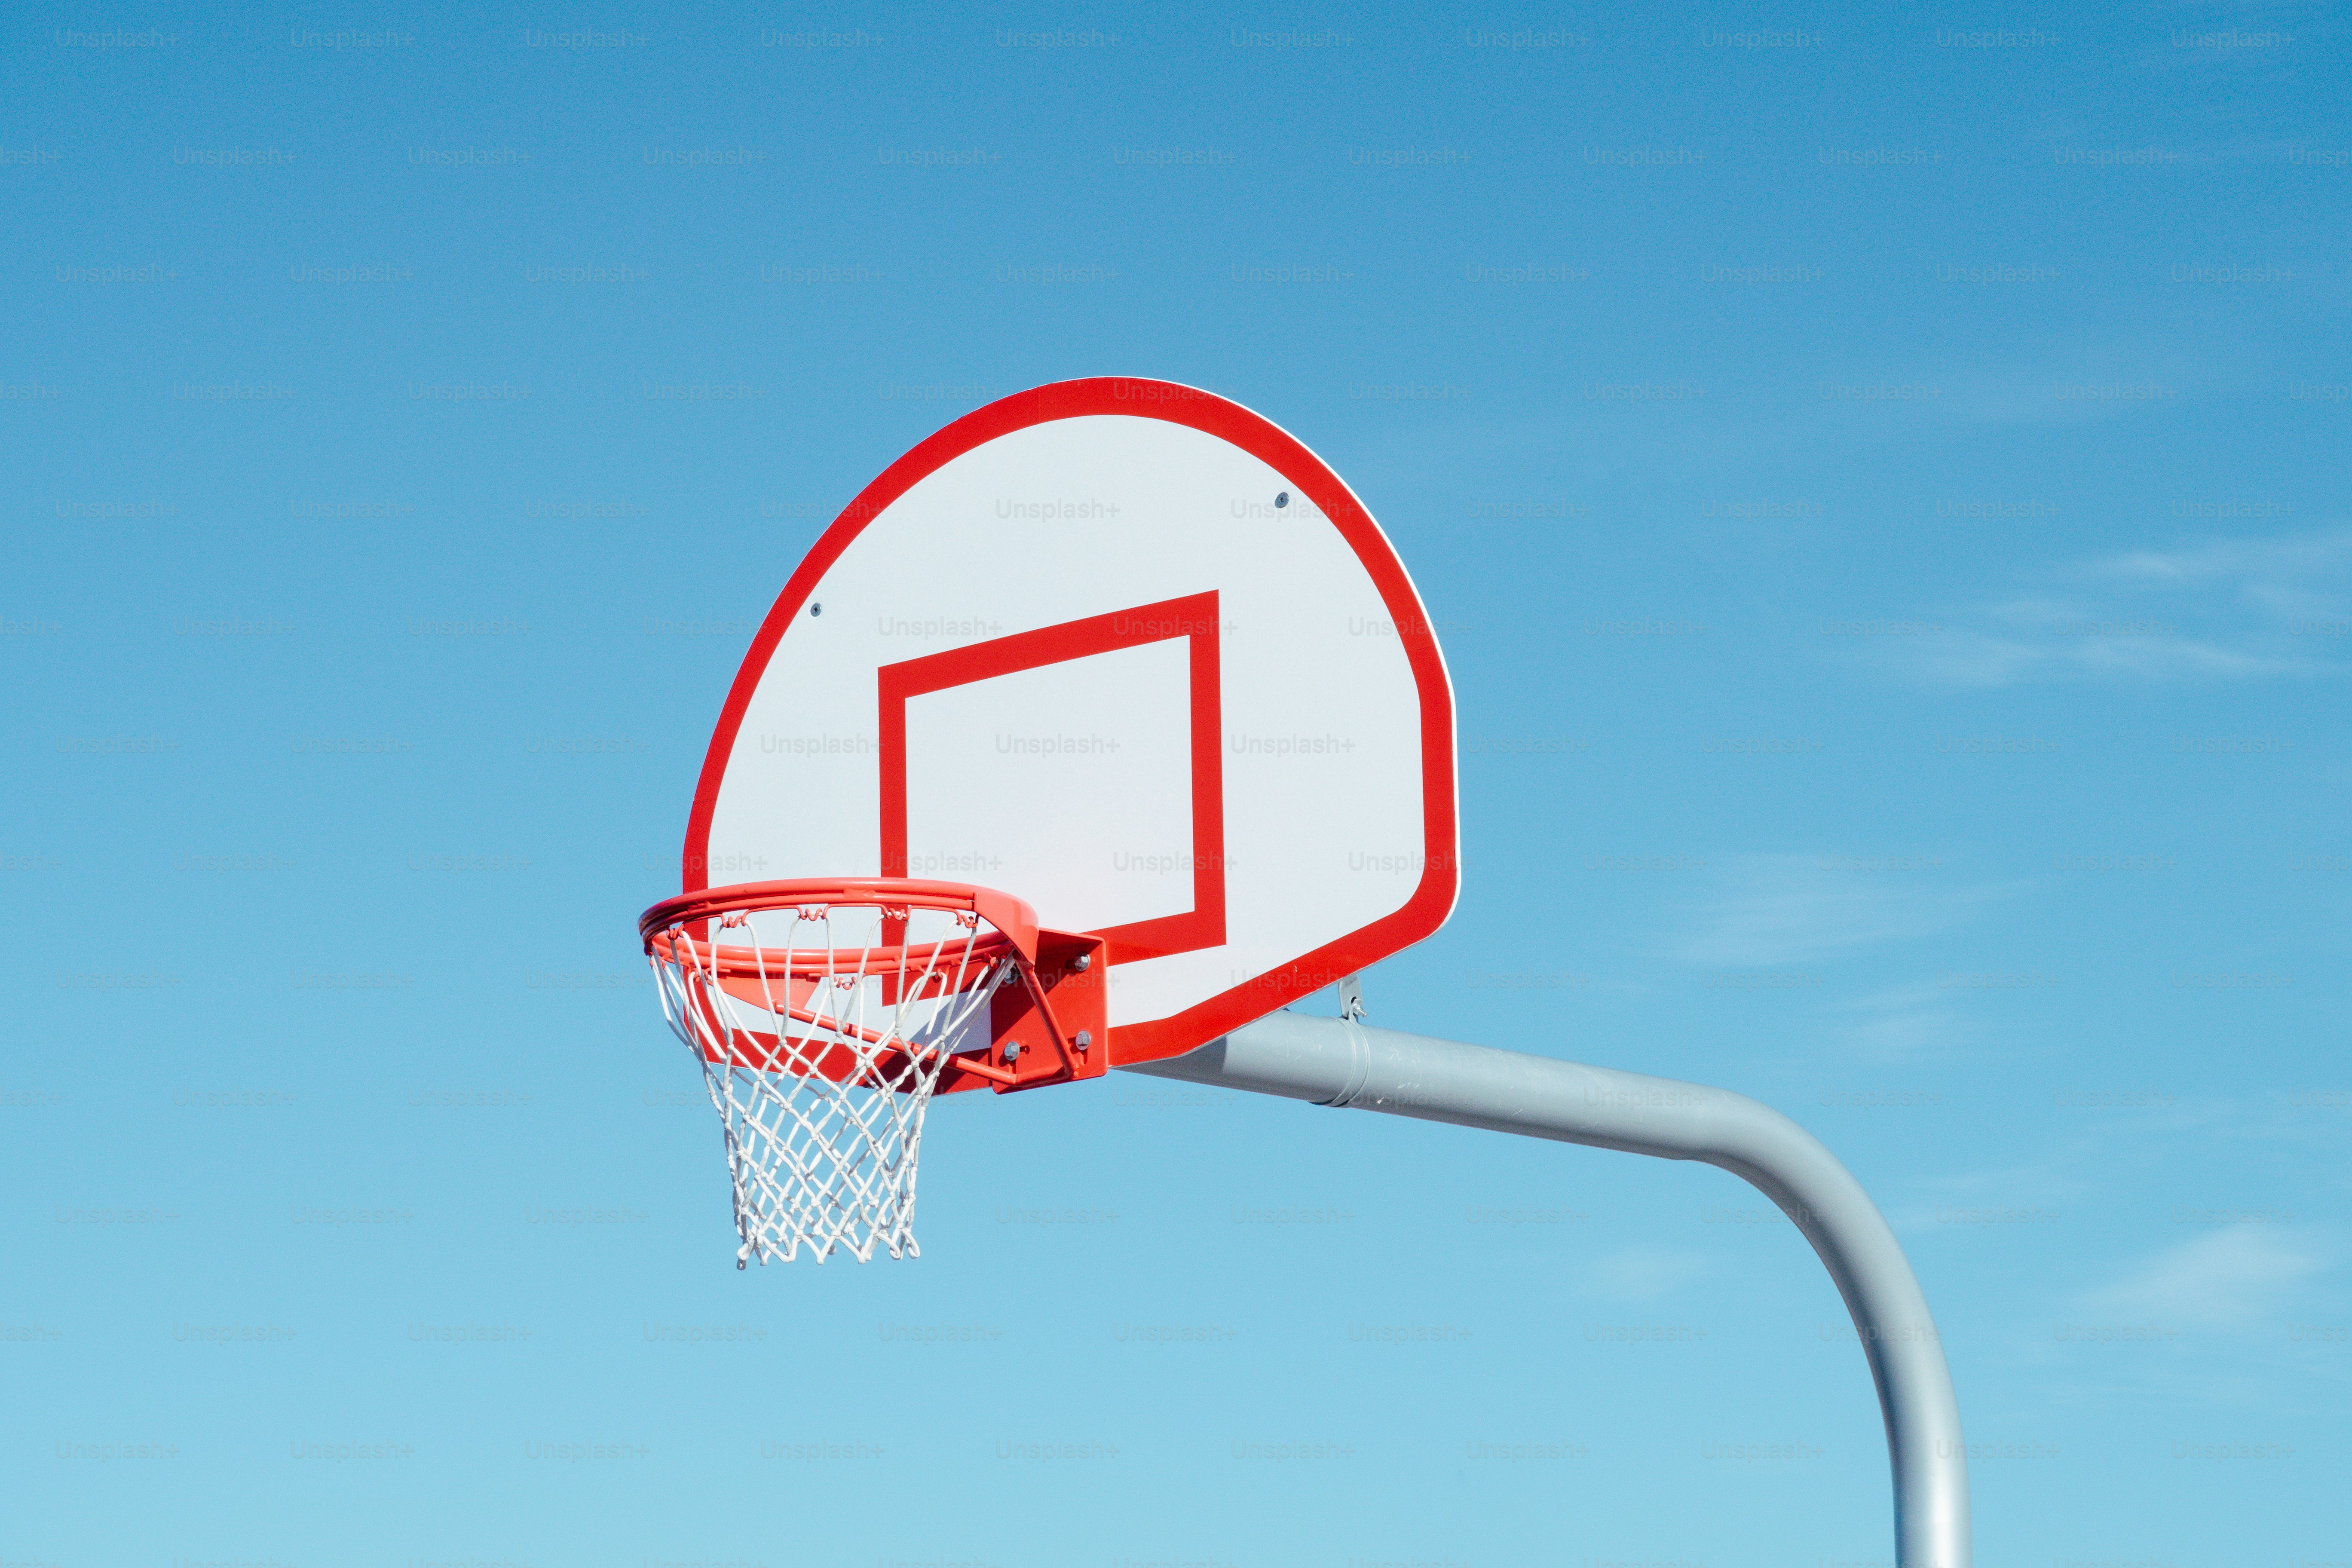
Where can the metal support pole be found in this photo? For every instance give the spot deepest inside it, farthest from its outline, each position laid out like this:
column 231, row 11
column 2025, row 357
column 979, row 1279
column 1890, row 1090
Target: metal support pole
column 1339, row 1062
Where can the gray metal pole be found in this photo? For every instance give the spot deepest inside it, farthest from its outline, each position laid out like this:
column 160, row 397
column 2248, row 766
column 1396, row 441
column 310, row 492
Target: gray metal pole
column 1335, row 1062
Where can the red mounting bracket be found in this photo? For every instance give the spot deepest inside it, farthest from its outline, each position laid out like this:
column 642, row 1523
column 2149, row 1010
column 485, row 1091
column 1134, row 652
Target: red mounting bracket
column 1047, row 1024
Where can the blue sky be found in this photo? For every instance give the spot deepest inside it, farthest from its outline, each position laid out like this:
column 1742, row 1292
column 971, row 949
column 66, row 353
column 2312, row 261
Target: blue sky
column 1878, row 477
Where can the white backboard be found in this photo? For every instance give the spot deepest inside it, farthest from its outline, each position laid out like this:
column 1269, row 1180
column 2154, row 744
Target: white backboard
column 1127, row 651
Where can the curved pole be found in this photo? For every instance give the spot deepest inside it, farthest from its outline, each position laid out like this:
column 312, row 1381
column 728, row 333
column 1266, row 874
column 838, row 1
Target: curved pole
column 1337, row 1062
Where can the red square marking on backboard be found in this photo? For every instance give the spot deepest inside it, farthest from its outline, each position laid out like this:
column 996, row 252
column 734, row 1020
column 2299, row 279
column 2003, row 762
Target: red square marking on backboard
column 1194, row 617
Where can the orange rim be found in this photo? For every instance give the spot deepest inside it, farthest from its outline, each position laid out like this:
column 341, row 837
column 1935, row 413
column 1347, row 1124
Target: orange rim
column 1015, row 922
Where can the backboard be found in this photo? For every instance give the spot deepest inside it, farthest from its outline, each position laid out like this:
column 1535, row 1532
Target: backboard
column 1132, row 654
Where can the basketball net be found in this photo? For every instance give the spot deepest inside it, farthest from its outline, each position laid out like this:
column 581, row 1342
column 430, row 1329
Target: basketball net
column 820, row 1039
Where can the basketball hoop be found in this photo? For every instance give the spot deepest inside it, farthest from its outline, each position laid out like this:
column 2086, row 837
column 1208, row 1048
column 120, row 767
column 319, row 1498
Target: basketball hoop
column 826, row 1013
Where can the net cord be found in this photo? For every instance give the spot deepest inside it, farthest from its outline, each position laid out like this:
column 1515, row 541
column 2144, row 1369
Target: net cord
column 814, row 1163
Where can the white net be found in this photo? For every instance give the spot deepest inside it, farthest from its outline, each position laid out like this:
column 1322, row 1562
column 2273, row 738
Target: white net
column 822, row 1032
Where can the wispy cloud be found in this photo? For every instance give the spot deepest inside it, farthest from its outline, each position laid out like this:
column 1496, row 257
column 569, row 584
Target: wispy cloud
column 2047, row 1188
column 2234, row 1276
column 1645, row 1273
column 1905, row 1024
column 1788, row 908
column 2220, row 610
column 2288, row 578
